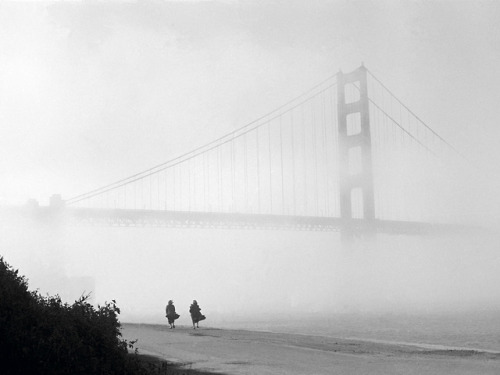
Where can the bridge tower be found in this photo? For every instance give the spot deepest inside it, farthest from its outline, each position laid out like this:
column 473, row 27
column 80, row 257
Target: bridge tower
column 355, row 150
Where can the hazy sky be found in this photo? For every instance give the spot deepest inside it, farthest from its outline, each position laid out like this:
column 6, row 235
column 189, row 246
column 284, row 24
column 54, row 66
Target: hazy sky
column 93, row 91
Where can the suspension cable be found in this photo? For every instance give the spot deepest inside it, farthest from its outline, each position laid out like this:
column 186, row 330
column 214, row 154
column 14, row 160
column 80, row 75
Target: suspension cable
column 418, row 118
column 196, row 152
column 234, row 132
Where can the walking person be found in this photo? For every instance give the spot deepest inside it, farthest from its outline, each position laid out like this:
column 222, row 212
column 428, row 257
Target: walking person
column 171, row 314
column 196, row 315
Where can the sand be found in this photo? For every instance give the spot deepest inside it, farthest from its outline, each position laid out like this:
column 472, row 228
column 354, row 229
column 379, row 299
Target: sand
column 251, row 352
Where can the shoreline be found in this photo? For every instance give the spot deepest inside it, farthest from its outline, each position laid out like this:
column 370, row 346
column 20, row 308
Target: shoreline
column 439, row 347
column 418, row 345
column 231, row 351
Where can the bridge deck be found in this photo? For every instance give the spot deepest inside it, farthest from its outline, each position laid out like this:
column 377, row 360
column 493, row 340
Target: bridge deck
column 187, row 219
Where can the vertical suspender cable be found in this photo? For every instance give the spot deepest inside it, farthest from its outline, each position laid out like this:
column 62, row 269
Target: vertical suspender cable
column 219, row 208
column 315, row 150
column 270, row 168
column 325, row 156
column 188, row 165
column 304, row 128
column 166, row 188
column 205, row 182
column 221, row 177
column 245, row 169
column 209, row 201
column 292, row 127
column 257, row 141
column 282, row 173
column 233, row 174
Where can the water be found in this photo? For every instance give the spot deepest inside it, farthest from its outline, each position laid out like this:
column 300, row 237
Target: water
column 473, row 330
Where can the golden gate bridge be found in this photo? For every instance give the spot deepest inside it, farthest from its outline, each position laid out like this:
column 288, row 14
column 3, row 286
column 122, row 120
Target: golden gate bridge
column 345, row 155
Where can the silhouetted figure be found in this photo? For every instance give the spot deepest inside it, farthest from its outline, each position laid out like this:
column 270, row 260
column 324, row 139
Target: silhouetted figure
column 170, row 314
column 196, row 315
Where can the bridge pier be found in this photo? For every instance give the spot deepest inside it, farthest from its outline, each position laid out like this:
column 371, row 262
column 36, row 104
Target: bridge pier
column 355, row 149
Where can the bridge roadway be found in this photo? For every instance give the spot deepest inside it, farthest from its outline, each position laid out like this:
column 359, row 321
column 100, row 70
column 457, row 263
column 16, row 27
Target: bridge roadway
column 189, row 219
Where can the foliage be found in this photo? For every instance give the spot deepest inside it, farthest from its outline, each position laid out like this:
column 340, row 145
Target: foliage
column 43, row 335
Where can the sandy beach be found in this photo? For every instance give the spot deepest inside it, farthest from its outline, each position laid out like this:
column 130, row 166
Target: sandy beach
column 253, row 352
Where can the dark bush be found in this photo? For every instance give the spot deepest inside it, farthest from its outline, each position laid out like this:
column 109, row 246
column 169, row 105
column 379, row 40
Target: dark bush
column 43, row 335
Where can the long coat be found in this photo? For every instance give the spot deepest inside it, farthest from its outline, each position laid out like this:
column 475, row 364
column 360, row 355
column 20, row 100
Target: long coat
column 195, row 312
column 170, row 310
column 170, row 313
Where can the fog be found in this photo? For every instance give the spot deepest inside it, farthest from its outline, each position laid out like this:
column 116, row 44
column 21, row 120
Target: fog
column 91, row 92
column 243, row 274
